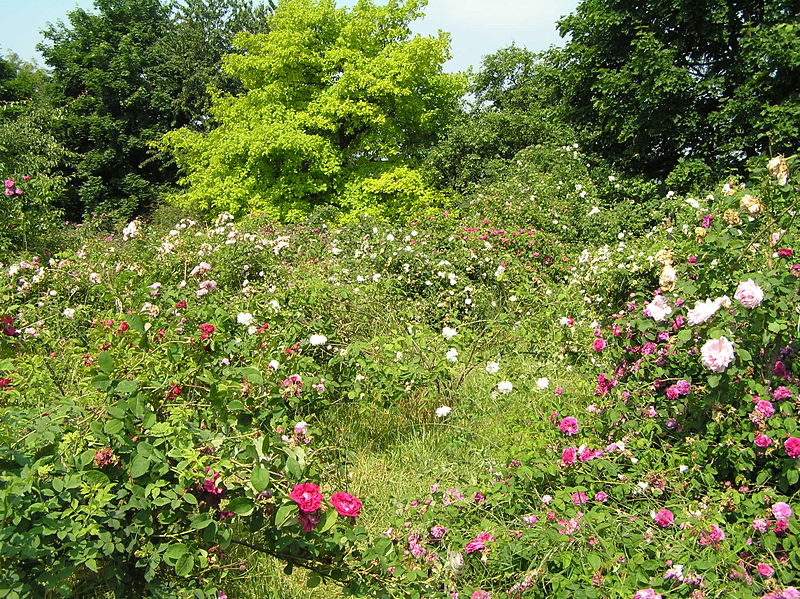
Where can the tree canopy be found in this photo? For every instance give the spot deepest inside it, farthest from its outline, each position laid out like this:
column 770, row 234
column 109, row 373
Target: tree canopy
column 651, row 83
column 339, row 105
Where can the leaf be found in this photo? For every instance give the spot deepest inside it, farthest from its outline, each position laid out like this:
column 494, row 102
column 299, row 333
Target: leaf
column 101, row 382
column 139, row 466
column 184, row 565
column 176, row 551
column 713, row 380
column 200, row 521
column 284, row 513
column 313, row 580
column 260, row 478
column 328, row 521
column 236, row 406
column 126, row 386
column 114, row 426
column 242, row 506
column 136, row 322
column 253, row 375
column 106, row 362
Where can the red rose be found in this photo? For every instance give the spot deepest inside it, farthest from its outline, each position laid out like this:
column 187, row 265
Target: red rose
column 346, row 504
column 307, row 496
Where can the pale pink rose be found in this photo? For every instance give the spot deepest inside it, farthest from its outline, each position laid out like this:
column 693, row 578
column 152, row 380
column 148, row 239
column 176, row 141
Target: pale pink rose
column 658, row 309
column 765, row 570
column 749, row 294
column 717, row 354
column 702, row 312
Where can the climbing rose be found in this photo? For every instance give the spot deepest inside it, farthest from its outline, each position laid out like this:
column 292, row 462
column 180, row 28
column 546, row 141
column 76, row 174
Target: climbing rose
column 782, row 510
column 568, row 425
column 478, row 543
column 307, row 496
column 346, row 504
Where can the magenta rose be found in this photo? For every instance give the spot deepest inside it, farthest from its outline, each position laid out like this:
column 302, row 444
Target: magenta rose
column 568, row 456
column 307, row 496
column 664, row 518
column 765, row 570
column 762, row 441
column 792, row 447
column 346, row 504
column 568, row 425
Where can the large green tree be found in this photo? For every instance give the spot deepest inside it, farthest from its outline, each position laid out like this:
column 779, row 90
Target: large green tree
column 128, row 72
column 339, row 105
column 651, row 83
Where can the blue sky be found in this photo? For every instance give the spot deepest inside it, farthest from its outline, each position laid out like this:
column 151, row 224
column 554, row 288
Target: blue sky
column 477, row 27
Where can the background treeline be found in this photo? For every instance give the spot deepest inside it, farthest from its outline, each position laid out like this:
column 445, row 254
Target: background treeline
column 145, row 100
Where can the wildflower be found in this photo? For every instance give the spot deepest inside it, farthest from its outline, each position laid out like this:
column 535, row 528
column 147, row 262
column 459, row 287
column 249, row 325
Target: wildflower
column 452, row 355
column 492, row 367
column 245, row 318
column 443, row 411
column 315, row 340
column 702, row 312
column 749, row 294
column 543, row 383
column 449, row 333
column 69, row 313
column 717, row 354
column 762, row 441
column 765, row 570
column 778, row 168
column 504, row 387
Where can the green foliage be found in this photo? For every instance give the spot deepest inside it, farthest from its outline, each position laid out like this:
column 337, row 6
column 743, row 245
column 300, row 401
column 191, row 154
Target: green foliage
column 128, row 73
column 650, row 83
column 513, row 108
column 333, row 95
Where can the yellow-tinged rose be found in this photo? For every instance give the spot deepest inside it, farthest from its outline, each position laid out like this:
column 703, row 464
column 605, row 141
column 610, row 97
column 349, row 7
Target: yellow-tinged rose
column 779, row 168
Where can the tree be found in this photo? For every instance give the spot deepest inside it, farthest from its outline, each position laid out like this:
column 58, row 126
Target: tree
column 339, row 105
column 514, row 108
column 129, row 72
column 651, row 83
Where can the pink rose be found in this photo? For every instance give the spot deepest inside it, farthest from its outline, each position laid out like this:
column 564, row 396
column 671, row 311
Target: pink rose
column 713, row 536
column 765, row 408
column 478, row 543
column 702, row 312
column 579, row 498
column 601, row 497
column 568, row 456
column 599, row 344
column 782, row 510
column 762, row 441
column 568, row 425
column 717, row 354
column 792, row 447
column 346, row 504
column 658, row 309
column 765, row 570
column 749, row 294
column 307, row 496
column 646, row 594
column 664, row 518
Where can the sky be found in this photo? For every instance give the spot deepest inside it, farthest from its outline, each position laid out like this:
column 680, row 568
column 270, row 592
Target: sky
column 476, row 27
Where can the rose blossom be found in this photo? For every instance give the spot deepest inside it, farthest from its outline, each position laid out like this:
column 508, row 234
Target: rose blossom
column 717, row 354
column 782, row 510
column 478, row 543
column 762, row 441
column 346, row 504
column 658, row 309
column 599, row 344
column 792, row 447
column 307, row 496
column 702, row 312
column 646, row 594
column 765, row 570
column 664, row 518
column 601, row 496
column 568, row 425
column 749, row 294
column 569, row 455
